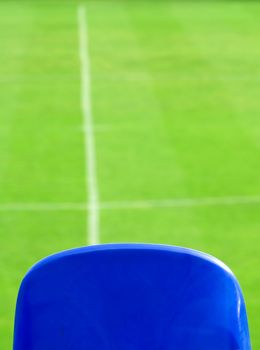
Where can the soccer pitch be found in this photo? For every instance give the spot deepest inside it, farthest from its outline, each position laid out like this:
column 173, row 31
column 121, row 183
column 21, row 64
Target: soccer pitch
column 129, row 121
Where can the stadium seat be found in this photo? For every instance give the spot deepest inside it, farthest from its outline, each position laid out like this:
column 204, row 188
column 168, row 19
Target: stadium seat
column 130, row 297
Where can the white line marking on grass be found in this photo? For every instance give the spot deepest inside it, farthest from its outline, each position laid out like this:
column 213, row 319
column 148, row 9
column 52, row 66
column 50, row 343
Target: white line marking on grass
column 181, row 202
column 141, row 204
column 139, row 77
column 43, row 207
column 119, row 127
column 91, row 179
column 29, row 78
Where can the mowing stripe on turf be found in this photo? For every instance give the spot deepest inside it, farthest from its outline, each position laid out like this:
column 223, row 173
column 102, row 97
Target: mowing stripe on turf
column 141, row 204
column 91, row 178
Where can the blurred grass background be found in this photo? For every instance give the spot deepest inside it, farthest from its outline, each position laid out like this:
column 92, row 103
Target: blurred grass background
column 175, row 94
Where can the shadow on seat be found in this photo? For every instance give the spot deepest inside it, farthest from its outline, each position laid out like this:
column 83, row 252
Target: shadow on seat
column 130, row 297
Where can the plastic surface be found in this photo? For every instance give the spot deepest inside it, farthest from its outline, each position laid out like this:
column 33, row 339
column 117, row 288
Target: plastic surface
column 130, row 297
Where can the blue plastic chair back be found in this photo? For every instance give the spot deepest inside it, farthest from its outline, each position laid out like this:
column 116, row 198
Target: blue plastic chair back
column 130, row 297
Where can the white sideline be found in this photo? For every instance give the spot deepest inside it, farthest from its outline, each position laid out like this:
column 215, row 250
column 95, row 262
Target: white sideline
column 181, row 202
column 20, row 207
column 141, row 204
column 91, row 178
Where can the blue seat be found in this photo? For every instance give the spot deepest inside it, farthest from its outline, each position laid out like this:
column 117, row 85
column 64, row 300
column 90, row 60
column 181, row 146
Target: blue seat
column 130, row 297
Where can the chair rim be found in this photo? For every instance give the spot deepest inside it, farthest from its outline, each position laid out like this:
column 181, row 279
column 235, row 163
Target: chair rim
column 131, row 246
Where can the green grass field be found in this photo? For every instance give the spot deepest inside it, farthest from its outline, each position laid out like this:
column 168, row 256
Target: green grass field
column 176, row 118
